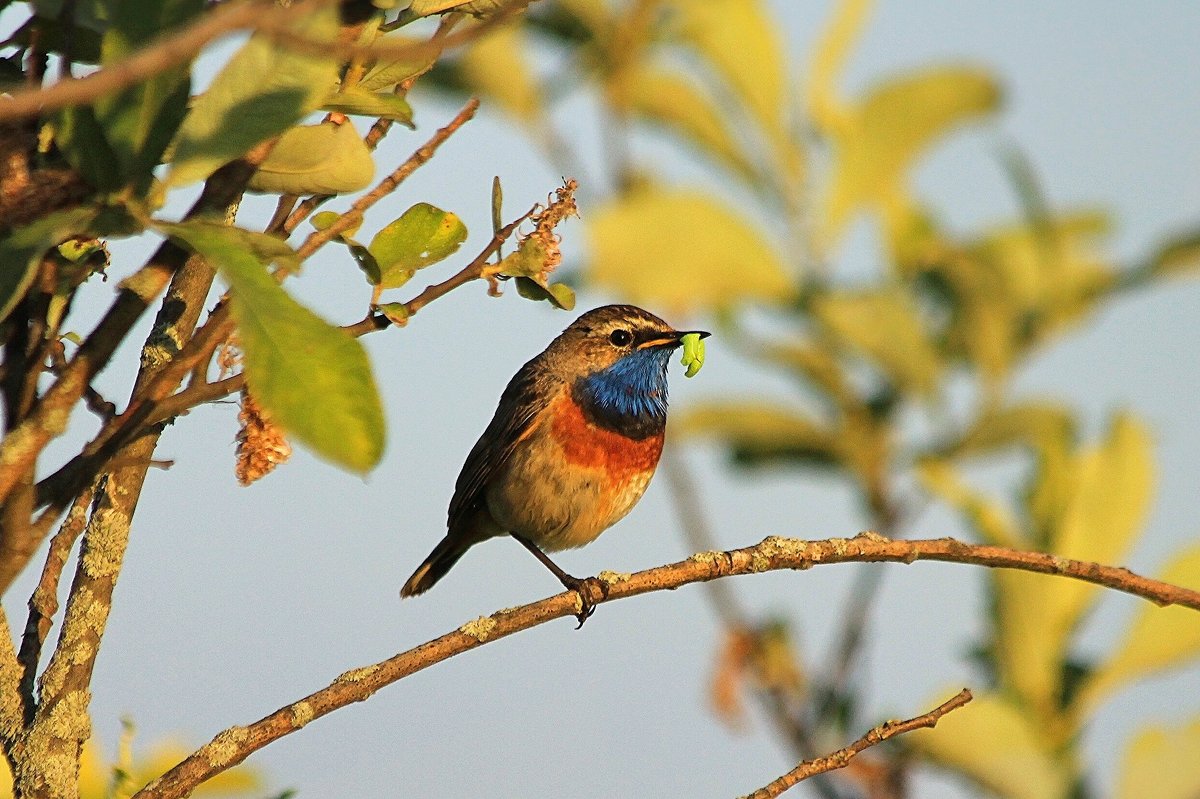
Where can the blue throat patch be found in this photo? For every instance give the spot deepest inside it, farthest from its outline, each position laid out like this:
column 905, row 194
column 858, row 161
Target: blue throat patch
column 629, row 397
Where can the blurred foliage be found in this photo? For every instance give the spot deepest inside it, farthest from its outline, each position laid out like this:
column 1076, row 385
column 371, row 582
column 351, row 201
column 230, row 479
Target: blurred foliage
column 790, row 179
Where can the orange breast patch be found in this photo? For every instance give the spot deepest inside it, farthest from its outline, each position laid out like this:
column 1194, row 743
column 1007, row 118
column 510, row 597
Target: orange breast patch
column 584, row 444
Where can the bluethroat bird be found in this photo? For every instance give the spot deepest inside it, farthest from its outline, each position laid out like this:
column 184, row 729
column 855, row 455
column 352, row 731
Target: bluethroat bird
column 571, row 448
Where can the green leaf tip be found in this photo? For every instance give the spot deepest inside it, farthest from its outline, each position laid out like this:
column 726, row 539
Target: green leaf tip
column 693, row 353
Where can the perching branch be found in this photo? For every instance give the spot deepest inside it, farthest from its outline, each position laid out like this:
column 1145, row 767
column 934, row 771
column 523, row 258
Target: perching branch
column 842, row 757
column 237, row 743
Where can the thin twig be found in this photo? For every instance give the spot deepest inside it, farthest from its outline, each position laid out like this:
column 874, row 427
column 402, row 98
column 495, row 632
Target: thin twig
column 353, row 216
column 842, row 757
column 260, row 16
column 235, row 744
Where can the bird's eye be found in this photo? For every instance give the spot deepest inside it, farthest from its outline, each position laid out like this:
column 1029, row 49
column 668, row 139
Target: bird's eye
column 620, row 338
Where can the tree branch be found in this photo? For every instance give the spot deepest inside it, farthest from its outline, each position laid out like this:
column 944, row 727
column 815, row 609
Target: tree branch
column 842, row 757
column 235, row 744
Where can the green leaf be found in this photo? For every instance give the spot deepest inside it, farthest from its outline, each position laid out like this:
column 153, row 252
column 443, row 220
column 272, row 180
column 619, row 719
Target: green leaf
column 312, row 378
column 1178, row 256
column 388, row 74
column 759, row 431
column 1158, row 639
column 262, row 91
column 139, row 122
column 362, row 102
column 676, row 103
column 423, row 235
column 22, row 250
column 560, row 295
column 1162, row 762
column 82, row 141
column 316, row 159
column 885, row 326
column 997, row 745
column 683, row 251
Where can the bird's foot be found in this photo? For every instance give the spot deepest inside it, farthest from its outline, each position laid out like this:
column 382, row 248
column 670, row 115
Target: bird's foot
column 586, row 589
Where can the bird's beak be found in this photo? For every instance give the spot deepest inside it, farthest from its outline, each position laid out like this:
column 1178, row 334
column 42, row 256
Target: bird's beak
column 670, row 338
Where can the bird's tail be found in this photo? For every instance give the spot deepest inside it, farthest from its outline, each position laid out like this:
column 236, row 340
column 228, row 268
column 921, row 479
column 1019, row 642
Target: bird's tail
column 434, row 568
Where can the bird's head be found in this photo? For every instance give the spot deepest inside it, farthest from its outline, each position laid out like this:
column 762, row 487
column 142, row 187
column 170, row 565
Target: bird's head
column 616, row 358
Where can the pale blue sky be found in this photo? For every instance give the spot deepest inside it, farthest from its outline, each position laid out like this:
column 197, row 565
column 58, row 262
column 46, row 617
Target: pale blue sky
column 235, row 601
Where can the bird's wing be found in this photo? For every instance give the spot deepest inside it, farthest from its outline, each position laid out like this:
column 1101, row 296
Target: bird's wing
column 522, row 403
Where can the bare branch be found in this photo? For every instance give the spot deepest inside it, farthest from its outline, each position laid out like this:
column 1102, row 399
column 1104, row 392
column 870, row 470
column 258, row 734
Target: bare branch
column 235, row 744
column 260, row 16
column 842, row 757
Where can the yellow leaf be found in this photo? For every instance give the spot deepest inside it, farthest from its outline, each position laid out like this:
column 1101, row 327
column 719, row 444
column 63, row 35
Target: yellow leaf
column 991, row 520
column 829, row 59
column 997, row 745
column 682, row 250
column 885, row 326
column 677, row 103
column 1094, row 506
column 1032, row 424
column 495, row 66
column 891, row 127
column 1163, row 763
column 1050, row 272
column 1158, row 639
column 1112, row 496
column 758, row 429
column 740, row 39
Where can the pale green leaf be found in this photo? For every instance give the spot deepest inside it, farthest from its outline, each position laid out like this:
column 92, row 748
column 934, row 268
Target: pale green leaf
column 997, row 745
column 675, row 102
column 423, row 235
column 316, row 159
column 262, row 91
column 1160, row 638
column 496, row 66
column 360, row 101
column 389, row 73
column 885, row 326
column 1163, row 763
column 560, row 295
column 312, row 378
column 22, row 250
column 683, row 250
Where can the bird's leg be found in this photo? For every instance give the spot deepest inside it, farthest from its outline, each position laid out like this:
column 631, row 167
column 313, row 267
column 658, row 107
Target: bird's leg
column 582, row 587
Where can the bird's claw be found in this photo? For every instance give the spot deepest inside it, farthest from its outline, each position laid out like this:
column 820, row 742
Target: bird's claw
column 584, row 589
